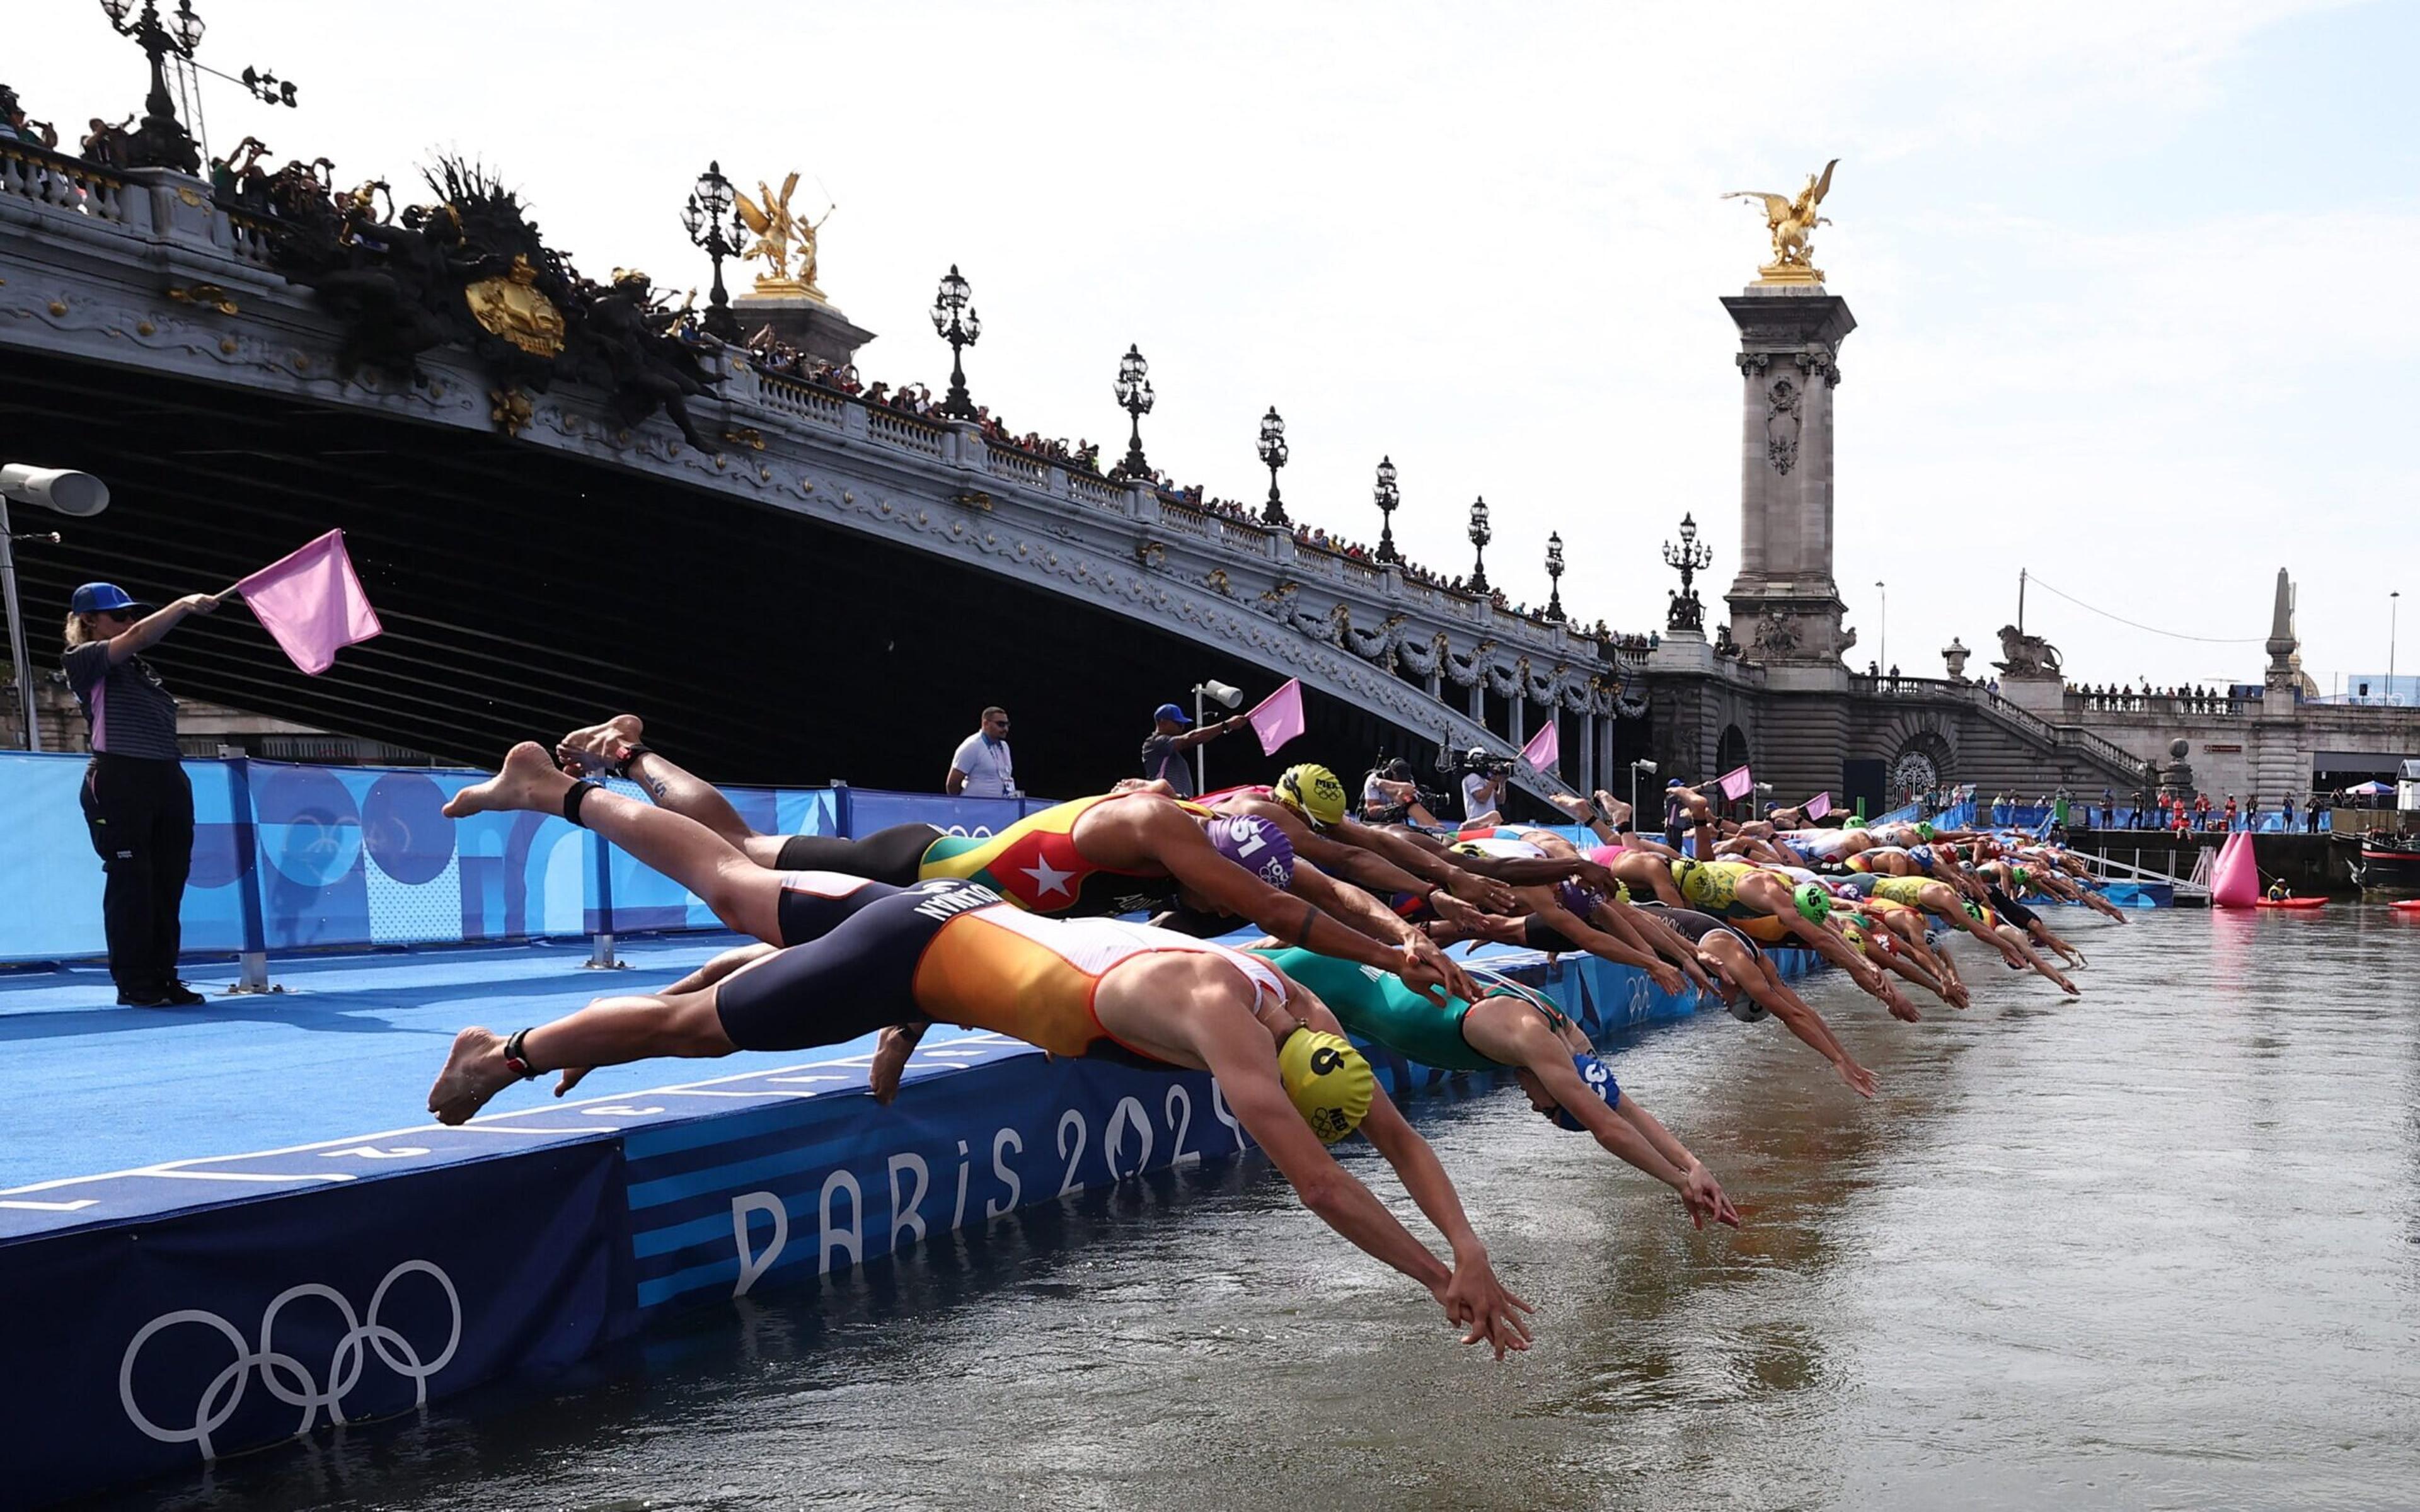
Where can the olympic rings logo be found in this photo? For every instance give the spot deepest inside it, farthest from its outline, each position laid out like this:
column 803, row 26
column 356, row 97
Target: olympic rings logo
column 287, row 1378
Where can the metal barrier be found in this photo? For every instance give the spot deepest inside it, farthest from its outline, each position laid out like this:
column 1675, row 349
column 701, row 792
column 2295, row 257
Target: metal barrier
column 289, row 857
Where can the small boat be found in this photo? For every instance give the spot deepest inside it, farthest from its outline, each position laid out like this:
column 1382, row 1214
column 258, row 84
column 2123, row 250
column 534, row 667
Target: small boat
column 2381, row 860
column 2295, row 903
column 2406, row 905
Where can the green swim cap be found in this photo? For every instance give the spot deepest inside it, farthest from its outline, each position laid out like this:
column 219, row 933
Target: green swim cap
column 1813, row 902
column 1852, row 822
column 1924, row 829
column 1974, row 910
column 2023, row 877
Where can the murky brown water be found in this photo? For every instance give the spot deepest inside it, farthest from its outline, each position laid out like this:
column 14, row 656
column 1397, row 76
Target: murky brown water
column 2157, row 1249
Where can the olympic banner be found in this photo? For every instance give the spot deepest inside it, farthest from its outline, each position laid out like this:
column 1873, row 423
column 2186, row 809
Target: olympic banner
column 129, row 1351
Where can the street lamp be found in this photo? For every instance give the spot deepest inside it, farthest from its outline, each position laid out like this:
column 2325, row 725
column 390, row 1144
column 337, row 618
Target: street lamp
column 955, row 322
column 2394, row 605
column 1882, row 653
column 1687, row 612
column 1479, row 537
column 1273, row 455
column 1555, row 575
column 78, row 494
column 1134, row 393
column 715, row 228
column 1390, row 498
column 160, row 141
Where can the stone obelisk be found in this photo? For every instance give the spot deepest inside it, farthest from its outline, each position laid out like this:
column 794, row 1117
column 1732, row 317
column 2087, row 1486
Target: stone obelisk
column 1786, row 607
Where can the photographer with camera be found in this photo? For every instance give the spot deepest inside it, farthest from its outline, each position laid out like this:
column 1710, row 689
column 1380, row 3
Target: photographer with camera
column 1483, row 777
column 1390, row 795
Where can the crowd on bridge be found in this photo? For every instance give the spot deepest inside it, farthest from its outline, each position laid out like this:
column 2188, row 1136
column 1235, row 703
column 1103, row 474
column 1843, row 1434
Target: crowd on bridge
column 2103, row 697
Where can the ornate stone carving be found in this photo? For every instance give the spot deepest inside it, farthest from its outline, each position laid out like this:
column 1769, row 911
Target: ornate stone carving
column 1781, row 426
column 1775, row 633
column 1753, row 363
column 2026, row 656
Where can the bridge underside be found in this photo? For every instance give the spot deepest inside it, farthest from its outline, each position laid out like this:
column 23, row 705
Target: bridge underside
column 524, row 593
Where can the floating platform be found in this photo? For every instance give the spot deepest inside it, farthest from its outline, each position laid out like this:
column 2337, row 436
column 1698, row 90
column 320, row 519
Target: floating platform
column 350, row 1262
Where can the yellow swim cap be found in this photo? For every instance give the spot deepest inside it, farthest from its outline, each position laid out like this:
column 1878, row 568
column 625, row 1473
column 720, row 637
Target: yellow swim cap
column 1314, row 792
column 1330, row 1083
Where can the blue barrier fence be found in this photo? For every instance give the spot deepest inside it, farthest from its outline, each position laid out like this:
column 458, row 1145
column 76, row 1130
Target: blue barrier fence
column 289, row 857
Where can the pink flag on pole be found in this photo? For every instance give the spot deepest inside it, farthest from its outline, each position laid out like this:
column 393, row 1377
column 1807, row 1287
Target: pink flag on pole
column 1545, row 747
column 1278, row 718
column 1737, row 783
column 1819, row 805
column 312, row 603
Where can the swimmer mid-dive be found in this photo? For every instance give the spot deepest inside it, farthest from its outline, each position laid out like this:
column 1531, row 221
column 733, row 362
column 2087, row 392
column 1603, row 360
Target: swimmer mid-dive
column 862, row 955
column 1514, row 1028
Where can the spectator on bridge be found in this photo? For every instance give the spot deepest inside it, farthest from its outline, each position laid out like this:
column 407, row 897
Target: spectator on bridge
column 2137, row 813
column 2108, row 809
column 2311, row 816
column 2201, row 810
column 2290, row 810
column 13, row 123
column 982, row 766
column 2230, row 813
column 1163, row 750
column 137, row 802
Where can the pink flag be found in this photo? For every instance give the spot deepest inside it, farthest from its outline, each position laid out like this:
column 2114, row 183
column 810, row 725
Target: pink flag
column 1278, row 718
column 1737, row 783
column 312, row 602
column 1819, row 805
column 1545, row 747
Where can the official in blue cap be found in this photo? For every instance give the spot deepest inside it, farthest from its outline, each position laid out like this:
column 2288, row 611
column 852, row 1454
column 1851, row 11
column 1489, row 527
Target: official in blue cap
column 1163, row 750
column 137, row 803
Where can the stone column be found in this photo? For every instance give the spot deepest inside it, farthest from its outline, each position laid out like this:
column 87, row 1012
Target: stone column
column 1588, row 751
column 1785, row 604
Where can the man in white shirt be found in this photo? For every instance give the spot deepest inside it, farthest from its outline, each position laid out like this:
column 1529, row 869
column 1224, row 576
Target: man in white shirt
column 1480, row 790
column 983, row 767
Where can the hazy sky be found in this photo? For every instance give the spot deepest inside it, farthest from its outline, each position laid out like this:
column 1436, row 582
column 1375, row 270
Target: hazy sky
column 2125, row 274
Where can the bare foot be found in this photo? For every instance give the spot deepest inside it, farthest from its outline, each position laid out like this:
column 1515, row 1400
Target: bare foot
column 528, row 781
column 474, row 1072
column 599, row 745
column 1572, row 804
column 891, row 1056
column 1613, row 808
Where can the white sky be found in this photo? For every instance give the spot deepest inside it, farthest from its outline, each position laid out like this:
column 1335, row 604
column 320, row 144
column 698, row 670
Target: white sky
column 2129, row 276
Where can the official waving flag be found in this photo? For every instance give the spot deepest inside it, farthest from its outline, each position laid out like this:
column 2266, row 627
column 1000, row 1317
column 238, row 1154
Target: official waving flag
column 1545, row 747
column 1737, row 783
column 1278, row 718
column 312, row 603
column 1819, row 805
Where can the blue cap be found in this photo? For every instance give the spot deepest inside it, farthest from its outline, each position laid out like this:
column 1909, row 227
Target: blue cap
column 1676, row 782
column 1171, row 712
column 99, row 598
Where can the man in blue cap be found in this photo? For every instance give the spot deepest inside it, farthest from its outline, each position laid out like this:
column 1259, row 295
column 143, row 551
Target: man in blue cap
column 137, row 803
column 1163, row 753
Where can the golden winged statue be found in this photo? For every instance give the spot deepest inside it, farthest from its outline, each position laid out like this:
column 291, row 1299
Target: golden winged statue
column 777, row 232
column 1791, row 220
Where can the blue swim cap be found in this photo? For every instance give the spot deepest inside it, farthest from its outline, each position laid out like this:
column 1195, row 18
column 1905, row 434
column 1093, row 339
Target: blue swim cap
column 1920, row 855
column 1599, row 1080
column 1254, row 844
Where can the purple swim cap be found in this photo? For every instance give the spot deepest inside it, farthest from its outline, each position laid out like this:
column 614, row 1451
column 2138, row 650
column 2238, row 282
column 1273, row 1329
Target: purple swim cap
column 1578, row 897
column 1254, row 844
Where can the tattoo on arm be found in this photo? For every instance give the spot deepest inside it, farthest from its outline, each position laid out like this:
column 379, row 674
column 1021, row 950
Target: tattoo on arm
column 1302, row 929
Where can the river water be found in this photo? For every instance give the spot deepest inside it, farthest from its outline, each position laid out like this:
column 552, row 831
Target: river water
column 2158, row 1248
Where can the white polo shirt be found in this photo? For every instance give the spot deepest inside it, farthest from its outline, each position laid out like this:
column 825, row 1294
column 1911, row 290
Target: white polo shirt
column 991, row 770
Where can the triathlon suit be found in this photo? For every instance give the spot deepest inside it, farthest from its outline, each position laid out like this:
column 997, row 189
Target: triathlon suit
column 1818, row 844
column 1863, row 860
column 2008, row 908
column 1713, row 886
column 1694, row 926
column 1033, row 863
column 1860, row 884
column 1376, row 1005
column 873, row 955
column 1907, row 890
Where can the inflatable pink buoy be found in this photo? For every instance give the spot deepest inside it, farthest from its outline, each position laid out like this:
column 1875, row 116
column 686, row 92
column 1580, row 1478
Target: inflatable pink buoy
column 2236, row 883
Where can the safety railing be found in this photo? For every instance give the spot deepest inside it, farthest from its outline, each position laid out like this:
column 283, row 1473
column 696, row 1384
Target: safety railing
column 903, row 431
column 291, row 857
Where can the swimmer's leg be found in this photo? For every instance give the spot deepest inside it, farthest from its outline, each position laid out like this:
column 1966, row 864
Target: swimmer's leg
column 608, row 747
column 745, row 896
column 609, row 1031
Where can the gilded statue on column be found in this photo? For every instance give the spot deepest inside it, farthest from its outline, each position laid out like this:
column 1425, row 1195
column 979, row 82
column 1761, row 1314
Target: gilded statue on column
column 781, row 235
column 1791, row 220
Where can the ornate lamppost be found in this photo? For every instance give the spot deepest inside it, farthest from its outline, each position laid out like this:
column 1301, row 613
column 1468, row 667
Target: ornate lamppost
column 715, row 228
column 955, row 322
column 1555, row 575
column 160, row 141
column 1390, row 498
column 1134, row 397
column 1273, row 455
column 1479, row 537
column 1687, row 612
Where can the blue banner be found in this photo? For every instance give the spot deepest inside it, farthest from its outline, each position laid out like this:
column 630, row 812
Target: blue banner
column 131, row 1352
column 872, row 808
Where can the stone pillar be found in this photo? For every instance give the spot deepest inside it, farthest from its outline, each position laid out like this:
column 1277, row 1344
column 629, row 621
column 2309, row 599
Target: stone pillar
column 1785, row 605
column 1588, row 751
column 1478, row 699
column 1518, row 714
